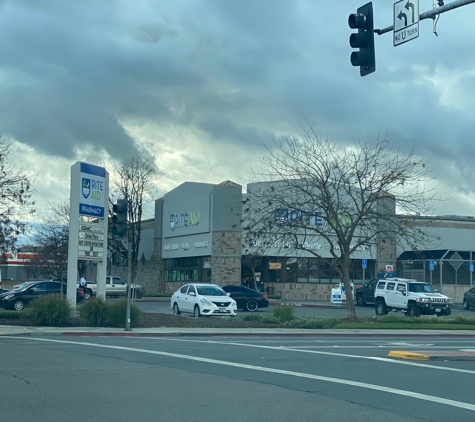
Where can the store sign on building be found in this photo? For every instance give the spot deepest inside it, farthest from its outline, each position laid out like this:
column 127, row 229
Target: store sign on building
column 289, row 215
column 185, row 219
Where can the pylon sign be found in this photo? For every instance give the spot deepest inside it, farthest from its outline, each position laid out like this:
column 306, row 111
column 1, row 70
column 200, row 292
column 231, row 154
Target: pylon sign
column 406, row 21
column 92, row 197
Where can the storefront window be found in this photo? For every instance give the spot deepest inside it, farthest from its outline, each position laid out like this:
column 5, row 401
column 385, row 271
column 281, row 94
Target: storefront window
column 187, row 269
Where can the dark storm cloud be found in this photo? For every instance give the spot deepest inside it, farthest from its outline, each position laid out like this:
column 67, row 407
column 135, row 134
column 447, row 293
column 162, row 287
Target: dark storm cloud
column 242, row 72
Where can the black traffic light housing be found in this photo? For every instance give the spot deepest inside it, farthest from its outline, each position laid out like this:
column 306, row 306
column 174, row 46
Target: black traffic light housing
column 364, row 39
column 119, row 219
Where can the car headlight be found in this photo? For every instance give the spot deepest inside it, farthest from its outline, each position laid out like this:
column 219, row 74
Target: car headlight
column 8, row 296
column 424, row 299
column 233, row 303
column 205, row 302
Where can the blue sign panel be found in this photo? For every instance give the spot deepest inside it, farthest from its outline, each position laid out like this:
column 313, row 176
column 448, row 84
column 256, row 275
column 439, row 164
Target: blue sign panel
column 431, row 265
column 364, row 263
column 471, row 267
column 92, row 198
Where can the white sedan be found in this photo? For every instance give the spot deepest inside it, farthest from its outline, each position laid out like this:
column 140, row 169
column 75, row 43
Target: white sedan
column 202, row 299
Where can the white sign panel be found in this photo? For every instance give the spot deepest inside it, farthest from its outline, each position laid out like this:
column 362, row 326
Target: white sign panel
column 406, row 21
column 92, row 196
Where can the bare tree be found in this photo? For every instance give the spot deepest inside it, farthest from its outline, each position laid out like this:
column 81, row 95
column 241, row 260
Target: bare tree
column 252, row 262
column 50, row 244
column 15, row 199
column 316, row 199
column 136, row 182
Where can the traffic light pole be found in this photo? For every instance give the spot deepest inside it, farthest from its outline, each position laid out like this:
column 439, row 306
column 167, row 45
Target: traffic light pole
column 431, row 13
column 129, row 276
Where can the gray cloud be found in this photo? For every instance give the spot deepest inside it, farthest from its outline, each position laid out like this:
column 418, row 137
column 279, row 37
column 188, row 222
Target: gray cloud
column 238, row 73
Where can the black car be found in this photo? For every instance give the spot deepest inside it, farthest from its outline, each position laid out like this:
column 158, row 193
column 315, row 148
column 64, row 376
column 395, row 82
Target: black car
column 469, row 299
column 18, row 299
column 247, row 299
column 365, row 293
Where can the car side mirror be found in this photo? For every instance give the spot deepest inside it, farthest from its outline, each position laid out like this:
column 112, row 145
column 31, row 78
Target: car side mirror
column 365, row 285
column 228, row 294
column 192, row 294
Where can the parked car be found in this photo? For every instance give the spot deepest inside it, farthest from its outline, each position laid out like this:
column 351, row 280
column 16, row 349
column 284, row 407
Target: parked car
column 203, row 299
column 246, row 298
column 22, row 285
column 469, row 298
column 20, row 298
column 365, row 293
column 115, row 286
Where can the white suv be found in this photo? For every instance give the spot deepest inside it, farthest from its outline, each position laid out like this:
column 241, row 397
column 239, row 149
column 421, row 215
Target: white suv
column 413, row 297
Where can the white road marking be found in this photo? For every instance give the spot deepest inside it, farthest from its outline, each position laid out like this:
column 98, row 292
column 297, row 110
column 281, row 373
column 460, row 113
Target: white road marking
column 419, row 396
column 290, row 349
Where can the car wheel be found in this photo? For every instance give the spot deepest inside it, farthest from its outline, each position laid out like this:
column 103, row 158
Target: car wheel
column 87, row 294
column 380, row 308
column 413, row 311
column 465, row 304
column 18, row 305
column 176, row 310
column 447, row 312
column 251, row 305
column 196, row 311
column 359, row 300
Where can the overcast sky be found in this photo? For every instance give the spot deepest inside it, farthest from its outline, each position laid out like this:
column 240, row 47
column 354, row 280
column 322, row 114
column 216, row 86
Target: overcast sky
column 203, row 85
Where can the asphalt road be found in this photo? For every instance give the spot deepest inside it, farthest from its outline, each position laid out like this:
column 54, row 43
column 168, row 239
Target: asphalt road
column 331, row 379
column 337, row 312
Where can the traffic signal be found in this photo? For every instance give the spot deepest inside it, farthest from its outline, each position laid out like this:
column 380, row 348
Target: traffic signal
column 119, row 219
column 364, row 39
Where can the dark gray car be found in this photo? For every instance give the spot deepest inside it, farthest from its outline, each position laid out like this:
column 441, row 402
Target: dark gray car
column 365, row 293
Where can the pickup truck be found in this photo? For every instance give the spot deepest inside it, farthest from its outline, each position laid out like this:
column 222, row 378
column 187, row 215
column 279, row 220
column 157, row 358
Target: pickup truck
column 115, row 286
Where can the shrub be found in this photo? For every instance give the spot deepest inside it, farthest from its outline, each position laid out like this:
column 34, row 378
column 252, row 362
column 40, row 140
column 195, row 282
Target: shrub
column 284, row 313
column 12, row 314
column 312, row 322
column 53, row 310
column 117, row 312
column 93, row 312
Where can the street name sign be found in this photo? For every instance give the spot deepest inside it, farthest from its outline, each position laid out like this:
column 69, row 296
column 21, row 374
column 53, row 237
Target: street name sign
column 406, row 21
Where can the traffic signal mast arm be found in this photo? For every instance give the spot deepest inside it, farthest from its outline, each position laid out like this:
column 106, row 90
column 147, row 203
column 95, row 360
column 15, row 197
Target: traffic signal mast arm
column 431, row 13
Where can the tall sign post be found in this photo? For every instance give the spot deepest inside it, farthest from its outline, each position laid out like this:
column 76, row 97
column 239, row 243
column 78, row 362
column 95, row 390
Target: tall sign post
column 364, row 265
column 89, row 193
column 431, row 268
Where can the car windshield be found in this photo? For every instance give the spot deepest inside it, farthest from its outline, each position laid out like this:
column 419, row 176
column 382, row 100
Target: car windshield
column 421, row 288
column 23, row 286
column 210, row 291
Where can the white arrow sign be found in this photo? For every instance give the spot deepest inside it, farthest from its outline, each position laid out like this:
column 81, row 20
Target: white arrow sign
column 406, row 21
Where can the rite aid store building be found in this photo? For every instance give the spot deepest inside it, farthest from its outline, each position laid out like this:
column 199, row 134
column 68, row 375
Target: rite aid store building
column 197, row 237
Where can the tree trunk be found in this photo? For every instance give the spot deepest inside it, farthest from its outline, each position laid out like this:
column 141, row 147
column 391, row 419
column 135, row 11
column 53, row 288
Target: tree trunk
column 350, row 303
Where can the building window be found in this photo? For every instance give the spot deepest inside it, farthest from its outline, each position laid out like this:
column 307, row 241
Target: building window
column 187, row 269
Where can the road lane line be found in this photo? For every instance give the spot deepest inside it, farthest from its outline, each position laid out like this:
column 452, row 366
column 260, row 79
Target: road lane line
column 316, row 352
column 405, row 393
